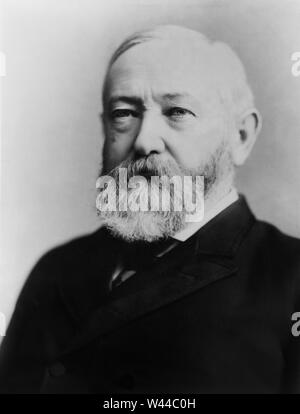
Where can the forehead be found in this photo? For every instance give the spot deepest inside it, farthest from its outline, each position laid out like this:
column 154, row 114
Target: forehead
column 164, row 68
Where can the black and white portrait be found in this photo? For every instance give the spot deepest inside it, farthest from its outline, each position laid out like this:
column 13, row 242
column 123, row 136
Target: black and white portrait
column 150, row 197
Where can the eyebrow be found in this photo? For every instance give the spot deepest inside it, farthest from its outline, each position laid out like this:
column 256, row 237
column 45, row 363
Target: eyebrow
column 173, row 96
column 132, row 100
column 136, row 100
column 181, row 96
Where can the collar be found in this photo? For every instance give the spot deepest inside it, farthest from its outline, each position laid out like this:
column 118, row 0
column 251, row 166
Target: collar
column 221, row 205
column 223, row 235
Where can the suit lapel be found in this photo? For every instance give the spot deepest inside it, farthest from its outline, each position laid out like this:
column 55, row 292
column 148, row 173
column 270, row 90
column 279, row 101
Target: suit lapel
column 168, row 286
column 207, row 258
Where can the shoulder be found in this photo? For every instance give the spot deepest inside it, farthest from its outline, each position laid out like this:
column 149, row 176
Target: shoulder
column 275, row 256
column 274, row 240
column 67, row 260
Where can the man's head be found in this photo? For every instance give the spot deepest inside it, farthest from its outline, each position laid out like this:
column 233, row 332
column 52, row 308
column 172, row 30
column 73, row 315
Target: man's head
column 175, row 96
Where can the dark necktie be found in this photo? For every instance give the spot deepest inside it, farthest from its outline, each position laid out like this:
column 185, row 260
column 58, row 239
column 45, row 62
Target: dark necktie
column 140, row 256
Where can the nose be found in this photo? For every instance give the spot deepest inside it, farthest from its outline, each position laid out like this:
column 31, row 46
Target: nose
column 150, row 136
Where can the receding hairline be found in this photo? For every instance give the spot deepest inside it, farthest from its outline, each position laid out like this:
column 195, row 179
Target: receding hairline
column 161, row 32
column 233, row 71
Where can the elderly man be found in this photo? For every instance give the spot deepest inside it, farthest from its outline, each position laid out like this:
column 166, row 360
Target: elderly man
column 151, row 302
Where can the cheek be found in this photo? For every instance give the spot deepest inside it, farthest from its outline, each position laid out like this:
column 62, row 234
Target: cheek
column 117, row 146
column 195, row 147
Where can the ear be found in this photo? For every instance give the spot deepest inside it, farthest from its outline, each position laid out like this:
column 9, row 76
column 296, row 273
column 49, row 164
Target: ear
column 248, row 127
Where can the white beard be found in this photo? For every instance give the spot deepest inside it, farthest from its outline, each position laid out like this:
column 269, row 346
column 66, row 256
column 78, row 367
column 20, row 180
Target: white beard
column 151, row 226
column 147, row 226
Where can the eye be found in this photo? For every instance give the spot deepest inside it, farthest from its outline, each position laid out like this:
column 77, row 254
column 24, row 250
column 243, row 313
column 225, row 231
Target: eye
column 177, row 112
column 119, row 114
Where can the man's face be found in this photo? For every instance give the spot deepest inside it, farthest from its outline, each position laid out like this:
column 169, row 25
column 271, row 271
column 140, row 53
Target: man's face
column 161, row 101
column 163, row 116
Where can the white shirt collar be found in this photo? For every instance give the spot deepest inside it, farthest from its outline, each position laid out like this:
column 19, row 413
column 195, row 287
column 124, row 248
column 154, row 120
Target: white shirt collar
column 192, row 228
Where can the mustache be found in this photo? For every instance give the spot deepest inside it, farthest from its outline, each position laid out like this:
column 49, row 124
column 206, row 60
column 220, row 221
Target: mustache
column 151, row 165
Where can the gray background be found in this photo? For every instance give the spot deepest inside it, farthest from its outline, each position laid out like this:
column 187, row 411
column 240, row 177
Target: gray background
column 56, row 53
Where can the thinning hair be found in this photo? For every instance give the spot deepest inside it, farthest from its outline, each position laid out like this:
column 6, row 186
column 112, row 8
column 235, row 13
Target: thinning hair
column 226, row 67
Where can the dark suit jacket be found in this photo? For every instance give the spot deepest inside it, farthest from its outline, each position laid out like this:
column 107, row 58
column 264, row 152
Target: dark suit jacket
column 211, row 316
